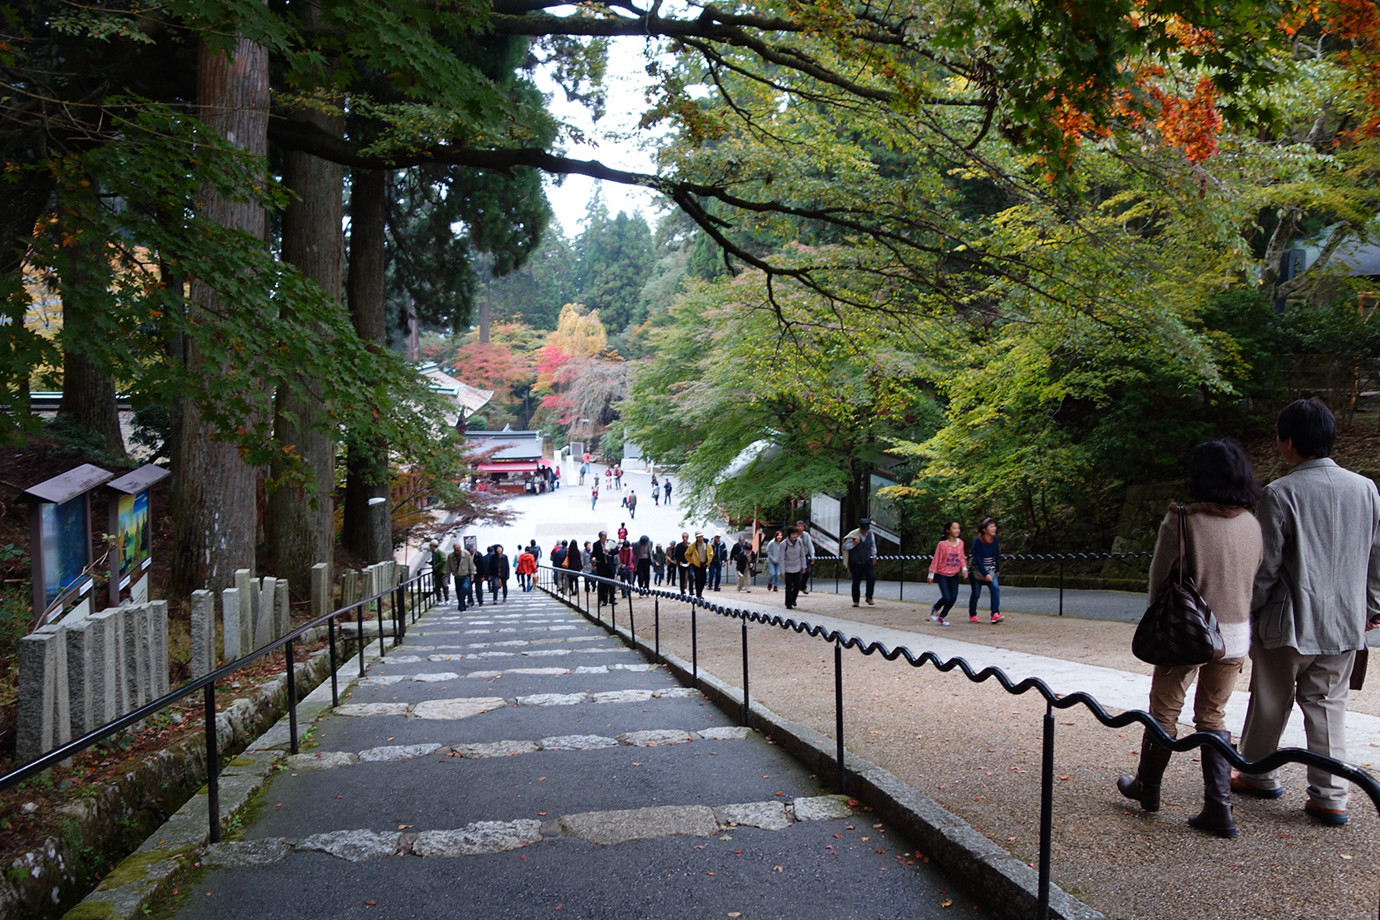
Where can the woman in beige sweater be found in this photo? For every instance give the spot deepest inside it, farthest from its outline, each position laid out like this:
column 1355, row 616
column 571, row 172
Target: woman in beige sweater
column 1222, row 555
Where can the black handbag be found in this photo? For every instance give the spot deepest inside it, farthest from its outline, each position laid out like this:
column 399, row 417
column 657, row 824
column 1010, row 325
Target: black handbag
column 1179, row 628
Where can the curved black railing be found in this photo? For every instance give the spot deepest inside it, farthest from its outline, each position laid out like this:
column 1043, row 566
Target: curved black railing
column 411, row 594
column 1361, row 778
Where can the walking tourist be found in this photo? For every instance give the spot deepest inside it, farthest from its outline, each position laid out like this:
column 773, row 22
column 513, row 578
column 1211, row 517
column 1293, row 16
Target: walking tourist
column 809, row 542
column 740, row 556
column 678, row 560
column 526, row 568
column 793, row 566
column 574, row 564
column 481, row 575
column 1221, row 554
column 698, row 556
column 860, row 556
column 440, row 573
column 462, row 570
column 1316, row 593
column 948, row 563
column 986, row 566
column 774, row 562
column 659, row 564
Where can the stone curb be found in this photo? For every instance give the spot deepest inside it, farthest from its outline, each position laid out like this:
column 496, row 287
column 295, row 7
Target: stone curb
column 1008, row 887
column 151, row 870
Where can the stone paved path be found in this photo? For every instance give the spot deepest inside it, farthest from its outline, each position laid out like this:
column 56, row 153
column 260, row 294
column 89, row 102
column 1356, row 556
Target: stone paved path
column 516, row 761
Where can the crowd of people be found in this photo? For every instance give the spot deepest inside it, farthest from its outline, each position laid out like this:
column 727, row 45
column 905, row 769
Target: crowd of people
column 469, row 572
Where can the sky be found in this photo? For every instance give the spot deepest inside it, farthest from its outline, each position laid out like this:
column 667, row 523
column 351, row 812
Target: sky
column 619, row 143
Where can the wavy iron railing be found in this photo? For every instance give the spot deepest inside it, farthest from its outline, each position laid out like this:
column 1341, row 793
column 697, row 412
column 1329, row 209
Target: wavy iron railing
column 1367, row 783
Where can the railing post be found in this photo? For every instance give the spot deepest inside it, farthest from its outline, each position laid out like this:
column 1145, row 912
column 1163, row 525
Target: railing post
column 694, row 648
column 400, row 613
column 212, row 764
column 291, row 697
column 1061, row 585
column 632, row 625
column 838, row 707
column 335, row 683
column 1046, row 810
column 383, row 650
column 901, row 585
column 359, row 624
column 743, row 615
column 656, row 613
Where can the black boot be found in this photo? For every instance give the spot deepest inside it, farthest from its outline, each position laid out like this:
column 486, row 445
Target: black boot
column 1215, row 818
column 1144, row 787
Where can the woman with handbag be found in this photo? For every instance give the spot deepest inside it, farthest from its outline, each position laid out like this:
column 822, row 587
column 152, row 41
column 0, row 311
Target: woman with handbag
column 1213, row 543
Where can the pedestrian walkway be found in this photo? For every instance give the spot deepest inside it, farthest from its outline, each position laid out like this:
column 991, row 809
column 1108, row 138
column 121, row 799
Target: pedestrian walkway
column 517, row 761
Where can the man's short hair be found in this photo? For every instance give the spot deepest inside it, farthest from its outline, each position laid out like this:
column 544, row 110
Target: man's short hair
column 1309, row 424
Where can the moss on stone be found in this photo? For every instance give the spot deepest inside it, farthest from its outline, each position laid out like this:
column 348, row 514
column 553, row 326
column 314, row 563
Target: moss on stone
column 134, row 868
column 92, row 910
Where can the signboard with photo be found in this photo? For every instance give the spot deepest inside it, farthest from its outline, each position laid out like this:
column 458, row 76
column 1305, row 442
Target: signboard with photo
column 64, row 545
column 135, row 540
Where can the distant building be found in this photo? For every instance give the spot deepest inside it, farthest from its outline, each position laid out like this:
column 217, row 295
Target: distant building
column 516, row 461
column 467, row 399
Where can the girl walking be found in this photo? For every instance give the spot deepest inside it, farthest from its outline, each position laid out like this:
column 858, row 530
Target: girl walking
column 947, row 568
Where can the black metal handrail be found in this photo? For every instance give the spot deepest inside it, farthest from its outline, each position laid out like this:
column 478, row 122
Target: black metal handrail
column 1368, row 783
column 419, row 587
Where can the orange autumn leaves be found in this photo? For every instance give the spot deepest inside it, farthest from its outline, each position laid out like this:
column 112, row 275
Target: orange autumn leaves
column 1184, row 110
column 1190, row 122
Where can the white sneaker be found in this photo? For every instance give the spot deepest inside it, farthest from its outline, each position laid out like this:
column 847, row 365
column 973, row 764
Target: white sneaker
column 935, row 619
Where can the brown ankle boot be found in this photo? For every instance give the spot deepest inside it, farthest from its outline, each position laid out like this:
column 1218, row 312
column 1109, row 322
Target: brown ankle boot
column 1216, row 816
column 1144, row 787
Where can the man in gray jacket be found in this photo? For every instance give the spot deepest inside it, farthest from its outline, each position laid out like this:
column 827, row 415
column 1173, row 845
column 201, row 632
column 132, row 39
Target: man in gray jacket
column 1317, row 592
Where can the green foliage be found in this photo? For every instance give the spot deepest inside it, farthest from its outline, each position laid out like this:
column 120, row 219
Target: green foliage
column 813, row 400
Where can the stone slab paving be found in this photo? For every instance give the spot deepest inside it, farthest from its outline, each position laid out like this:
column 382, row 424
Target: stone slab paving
column 590, row 783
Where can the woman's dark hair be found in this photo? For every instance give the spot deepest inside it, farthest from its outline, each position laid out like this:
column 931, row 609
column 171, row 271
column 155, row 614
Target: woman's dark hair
column 982, row 524
column 1219, row 471
column 1309, row 424
column 947, row 525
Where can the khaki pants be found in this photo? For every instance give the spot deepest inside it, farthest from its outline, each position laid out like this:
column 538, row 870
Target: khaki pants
column 1216, row 681
column 1321, row 686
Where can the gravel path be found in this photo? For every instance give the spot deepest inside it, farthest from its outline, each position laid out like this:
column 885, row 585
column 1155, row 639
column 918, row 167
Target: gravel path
column 976, row 749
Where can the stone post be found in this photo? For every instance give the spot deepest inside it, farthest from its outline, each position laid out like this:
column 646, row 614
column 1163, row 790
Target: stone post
column 136, row 674
column 320, row 590
column 264, row 611
column 157, row 619
column 44, row 715
column 105, row 659
column 203, row 651
column 230, row 618
column 247, row 598
column 282, row 618
column 81, row 673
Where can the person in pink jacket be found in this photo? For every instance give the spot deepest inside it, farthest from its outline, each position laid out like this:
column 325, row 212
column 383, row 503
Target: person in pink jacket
column 948, row 568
